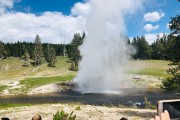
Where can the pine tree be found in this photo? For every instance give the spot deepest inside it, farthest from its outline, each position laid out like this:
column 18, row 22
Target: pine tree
column 26, row 59
column 134, row 43
column 52, row 57
column 142, row 47
column 159, row 48
column 173, row 84
column 75, row 53
column 46, row 52
column 38, row 51
column 1, row 49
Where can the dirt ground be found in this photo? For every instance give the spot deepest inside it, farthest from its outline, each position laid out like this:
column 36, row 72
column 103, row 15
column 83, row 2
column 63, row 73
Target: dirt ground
column 87, row 112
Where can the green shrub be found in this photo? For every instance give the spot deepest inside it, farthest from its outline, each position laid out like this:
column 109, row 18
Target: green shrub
column 64, row 116
column 78, row 108
column 153, row 107
column 148, row 104
column 3, row 87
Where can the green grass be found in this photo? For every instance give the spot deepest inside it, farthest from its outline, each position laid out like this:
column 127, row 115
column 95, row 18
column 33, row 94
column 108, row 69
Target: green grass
column 14, row 68
column 2, row 87
column 154, row 72
column 62, row 65
column 11, row 68
column 35, row 82
column 156, row 68
column 3, row 106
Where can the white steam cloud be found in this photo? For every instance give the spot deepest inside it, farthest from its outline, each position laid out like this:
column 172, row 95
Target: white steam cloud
column 105, row 53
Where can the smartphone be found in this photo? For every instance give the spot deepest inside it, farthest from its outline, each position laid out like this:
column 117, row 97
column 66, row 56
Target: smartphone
column 172, row 106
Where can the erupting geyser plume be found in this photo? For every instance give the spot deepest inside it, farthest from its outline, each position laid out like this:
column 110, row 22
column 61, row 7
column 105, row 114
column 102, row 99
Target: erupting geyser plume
column 105, row 53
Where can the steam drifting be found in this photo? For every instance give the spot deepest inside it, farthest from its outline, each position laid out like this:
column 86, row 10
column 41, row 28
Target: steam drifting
column 105, row 53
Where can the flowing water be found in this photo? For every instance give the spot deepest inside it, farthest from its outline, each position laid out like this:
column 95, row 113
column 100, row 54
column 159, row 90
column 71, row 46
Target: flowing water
column 134, row 97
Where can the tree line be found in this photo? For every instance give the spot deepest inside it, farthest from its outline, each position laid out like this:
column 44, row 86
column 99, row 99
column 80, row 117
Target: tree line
column 160, row 49
column 42, row 52
column 18, row 49
column 37, row 51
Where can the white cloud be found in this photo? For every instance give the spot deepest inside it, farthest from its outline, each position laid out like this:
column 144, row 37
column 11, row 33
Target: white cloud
column 81, row 9
column 153, row 16
column 150, row 27
column 167, row 26
column 5, row 4
column 152, row 37
column 52, row 27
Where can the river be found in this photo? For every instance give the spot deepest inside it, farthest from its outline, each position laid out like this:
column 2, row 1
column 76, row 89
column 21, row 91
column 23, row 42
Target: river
column 134, row 97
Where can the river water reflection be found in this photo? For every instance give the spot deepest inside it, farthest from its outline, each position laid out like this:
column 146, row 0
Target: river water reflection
column 134, row 97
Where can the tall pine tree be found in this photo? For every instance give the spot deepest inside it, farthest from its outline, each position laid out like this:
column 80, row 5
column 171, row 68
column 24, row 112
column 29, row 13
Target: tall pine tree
column 38, row 51
column 1, row 49
column 26, row 59
column 142, row 47
column 52, row 57
column 75, row 53
column 173, row 83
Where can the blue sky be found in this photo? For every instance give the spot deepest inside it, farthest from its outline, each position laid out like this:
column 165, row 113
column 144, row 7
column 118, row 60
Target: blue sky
column 169, row 8
column 60, row 19
column 40, row 6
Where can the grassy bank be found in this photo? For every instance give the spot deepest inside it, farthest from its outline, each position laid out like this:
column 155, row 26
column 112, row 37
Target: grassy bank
column 35, row 82
column 157, row 68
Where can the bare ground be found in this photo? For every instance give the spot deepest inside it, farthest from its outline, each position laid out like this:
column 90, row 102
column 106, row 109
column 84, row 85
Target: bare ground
column 87, row 112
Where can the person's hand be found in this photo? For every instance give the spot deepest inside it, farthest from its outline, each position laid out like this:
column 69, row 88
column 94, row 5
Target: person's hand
column 163, row 116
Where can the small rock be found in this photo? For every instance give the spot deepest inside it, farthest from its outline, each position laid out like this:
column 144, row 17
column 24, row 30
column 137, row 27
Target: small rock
column 136, row 77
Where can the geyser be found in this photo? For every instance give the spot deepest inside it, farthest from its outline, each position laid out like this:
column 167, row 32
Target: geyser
column 105, row 53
